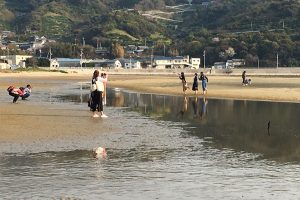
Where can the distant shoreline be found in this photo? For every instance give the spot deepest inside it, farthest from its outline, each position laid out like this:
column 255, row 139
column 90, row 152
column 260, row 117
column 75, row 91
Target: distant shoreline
column 282, row 71
column 275, row 85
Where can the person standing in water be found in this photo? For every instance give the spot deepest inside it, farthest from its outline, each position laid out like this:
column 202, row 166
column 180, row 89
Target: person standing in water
column 195, row 84
column 204, row 81
column 96, row 94
column 184, row 83
column 244, row 77
column 105, row 76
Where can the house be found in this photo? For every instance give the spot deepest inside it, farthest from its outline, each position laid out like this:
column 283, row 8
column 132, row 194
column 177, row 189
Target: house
column 238, row 62
column 176, row 62
column 4, row 64
column 235, row 63
column 195, row 63
column 101, row 50
column 67, row 62
column 220, row 65
column 16, row 60
column 54, row 64
column 105, row 63
column 230, row 64
column 130, row 64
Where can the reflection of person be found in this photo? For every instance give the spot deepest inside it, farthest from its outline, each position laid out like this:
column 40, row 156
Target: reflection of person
column 184, row 106
column 97, row 100
column 195, row 83
column 15, row 92
column 195, row 106
column 203, row 108
column 27, row 92
column 204, row 80
column 184, row 83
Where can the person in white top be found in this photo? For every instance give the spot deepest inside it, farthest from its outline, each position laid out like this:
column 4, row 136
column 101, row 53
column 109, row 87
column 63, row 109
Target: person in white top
column 105, row 76
column 97, row 94
column 27, row 92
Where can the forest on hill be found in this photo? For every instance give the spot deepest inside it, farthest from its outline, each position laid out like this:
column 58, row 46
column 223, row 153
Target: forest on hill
column 255, row 30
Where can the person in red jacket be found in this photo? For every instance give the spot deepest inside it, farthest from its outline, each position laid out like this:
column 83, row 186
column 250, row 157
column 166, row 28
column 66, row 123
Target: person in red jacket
column 15, row 92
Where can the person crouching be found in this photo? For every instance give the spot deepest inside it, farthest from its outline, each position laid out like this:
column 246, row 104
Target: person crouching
column 27, row 92
column 15, row 92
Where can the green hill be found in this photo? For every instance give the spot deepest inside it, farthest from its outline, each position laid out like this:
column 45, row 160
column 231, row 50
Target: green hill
column 256, row 29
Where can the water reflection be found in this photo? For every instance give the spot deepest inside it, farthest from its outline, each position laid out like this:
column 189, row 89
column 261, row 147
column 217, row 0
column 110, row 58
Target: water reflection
column 184, row 107
column 238, row 125
column 214, row 150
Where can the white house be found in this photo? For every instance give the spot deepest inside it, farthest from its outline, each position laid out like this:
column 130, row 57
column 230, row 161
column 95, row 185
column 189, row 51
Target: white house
column 4, row 65
column 235, row 63
column 16, row 60
column 230, row 64
column 54, row 64
column 130, row 63
column 220, row 65
column 111, row 64
column 66, row 62
column 176, row 62
column 195, row 63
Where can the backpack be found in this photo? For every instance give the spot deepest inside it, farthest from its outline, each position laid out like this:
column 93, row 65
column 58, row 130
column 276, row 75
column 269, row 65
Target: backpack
column 93, row 85
column 10, row 88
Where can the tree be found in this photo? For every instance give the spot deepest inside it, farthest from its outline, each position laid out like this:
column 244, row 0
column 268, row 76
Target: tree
column 31, row 62
column 230, row 52
column 118, row 50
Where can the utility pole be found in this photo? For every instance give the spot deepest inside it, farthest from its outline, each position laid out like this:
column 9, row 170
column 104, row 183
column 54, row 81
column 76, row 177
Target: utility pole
column 152, row 57
column 81, row 54
column 277, row 61
column 83, row 41
column 204, row 59
column 50, row 53
column 258, row 62
column 130, row 62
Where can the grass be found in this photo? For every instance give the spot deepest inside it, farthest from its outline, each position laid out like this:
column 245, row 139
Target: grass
column 37, row 69
column 122, row 33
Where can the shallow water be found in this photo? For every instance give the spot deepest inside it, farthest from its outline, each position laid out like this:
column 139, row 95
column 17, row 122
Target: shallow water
column 167, row 147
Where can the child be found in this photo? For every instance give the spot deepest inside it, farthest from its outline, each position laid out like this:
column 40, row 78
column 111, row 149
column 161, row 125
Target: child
column 184, row 83
column 27, row 92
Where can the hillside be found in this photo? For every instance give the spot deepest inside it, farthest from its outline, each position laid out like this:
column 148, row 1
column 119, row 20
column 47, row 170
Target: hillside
column 256, row 29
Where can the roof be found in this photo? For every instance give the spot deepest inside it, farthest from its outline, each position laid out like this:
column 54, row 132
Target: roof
column 168, row 58
column 68, row 59
column 105, row 61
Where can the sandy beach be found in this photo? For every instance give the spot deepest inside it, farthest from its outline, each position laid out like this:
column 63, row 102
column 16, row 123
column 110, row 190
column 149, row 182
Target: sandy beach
column 267, row 85
column 43, row 120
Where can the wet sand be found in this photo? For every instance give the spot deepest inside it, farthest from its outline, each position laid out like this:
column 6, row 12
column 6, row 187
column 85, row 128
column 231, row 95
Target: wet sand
column 262, row 88
column 34, row 122
column 29, row 120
